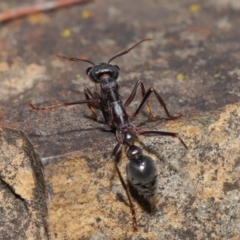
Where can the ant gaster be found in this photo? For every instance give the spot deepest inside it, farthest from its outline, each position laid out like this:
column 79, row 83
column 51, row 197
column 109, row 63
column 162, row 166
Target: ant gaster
column 141, row 169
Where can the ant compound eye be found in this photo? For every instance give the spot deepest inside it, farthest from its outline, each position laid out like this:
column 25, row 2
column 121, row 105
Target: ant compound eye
column 116, row 66
column 88, row 70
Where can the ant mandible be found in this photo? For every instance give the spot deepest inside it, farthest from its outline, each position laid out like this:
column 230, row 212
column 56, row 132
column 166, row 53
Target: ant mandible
column 141, row 169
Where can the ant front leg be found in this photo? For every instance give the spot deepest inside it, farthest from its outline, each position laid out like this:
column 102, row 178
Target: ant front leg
column 133, row 94
column 114, row 155
column 99, row 105
column 160, row 100
column 91, row 106
column 90, row 101
column 146, row 102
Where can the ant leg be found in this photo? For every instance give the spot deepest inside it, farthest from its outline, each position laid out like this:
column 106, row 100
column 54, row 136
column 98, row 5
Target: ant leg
column 115, row 152
column 91, row 106
column 96, row 101
column 134, row 91
column 94, row 106
column 160, row 100
column 156, row 133
column 133, row 94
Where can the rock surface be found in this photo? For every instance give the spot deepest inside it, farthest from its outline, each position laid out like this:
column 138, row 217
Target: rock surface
column 22, row 189
column 193, row 62
column 197, row 197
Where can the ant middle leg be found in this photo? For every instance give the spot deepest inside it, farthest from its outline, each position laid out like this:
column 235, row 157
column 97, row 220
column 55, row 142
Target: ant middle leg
column 89, row 101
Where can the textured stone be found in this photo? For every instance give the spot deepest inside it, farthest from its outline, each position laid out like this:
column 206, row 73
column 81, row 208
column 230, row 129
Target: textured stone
column 22, row 190
column 193, row 62
column 198, row 193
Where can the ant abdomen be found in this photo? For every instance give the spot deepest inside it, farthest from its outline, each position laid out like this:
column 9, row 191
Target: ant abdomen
column 142, row 175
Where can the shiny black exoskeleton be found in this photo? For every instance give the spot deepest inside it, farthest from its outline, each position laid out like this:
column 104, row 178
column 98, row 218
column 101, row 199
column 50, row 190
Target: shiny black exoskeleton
column 141, row 169
column 95, row 73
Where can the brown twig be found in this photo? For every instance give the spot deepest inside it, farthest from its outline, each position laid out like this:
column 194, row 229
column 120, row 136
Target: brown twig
column 35, row 8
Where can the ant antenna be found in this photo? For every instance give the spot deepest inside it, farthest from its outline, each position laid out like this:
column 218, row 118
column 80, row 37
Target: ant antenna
column 76, row 59
column 118, row 55
column 128, row 50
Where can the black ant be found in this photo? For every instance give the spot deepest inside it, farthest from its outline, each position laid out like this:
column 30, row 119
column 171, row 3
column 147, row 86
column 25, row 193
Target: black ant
column 141, row 169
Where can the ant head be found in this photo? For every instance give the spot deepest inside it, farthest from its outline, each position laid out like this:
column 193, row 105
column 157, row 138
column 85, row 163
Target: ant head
column 96, row 72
